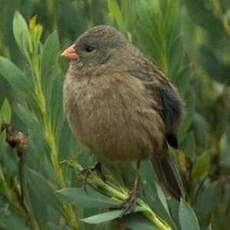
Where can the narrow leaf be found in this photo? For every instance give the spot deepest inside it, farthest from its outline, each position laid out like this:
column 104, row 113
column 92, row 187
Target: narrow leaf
column 153, row 194
column 187, row 217
column 106, row 216
column 207, row 200
column 42, row 195
column 5, row 112
column 21, row 35
column 115, row 13
column 49, row 54
column 137, row 222
column 15, row 77
column 86, row 199
column 201, row 167
column 103, row 217
column 11, row 221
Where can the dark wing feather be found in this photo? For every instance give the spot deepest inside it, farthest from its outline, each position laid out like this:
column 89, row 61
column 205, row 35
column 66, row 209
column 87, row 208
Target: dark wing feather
column 163, row 91
column 172, row 110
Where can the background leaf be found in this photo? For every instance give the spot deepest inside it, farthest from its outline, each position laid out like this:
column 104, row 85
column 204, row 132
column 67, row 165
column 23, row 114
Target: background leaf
column 21, row 34
column 103, row 217
column 87, row 199
column 50, row 53
column 188, row 219
column 5, row 115
column 201, row 167
column 15, row 77
column 137, row 222
column 46, row 196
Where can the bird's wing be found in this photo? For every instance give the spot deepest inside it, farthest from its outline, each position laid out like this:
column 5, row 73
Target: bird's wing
column 171, row 109
column 162, row 91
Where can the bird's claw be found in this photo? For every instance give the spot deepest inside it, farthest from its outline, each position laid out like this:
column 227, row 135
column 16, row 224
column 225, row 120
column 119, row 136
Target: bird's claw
column 83, row 176
column 129, row 205
column 85, row 173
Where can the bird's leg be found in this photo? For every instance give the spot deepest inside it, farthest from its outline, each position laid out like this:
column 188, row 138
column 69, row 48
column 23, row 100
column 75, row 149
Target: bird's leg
column 130, row 203
column 84, row 174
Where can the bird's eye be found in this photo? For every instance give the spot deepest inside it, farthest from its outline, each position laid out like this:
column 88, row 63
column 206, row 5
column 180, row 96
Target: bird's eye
column 89, row 48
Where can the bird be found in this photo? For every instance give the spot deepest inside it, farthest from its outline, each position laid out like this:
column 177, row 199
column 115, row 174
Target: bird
column 121, row 106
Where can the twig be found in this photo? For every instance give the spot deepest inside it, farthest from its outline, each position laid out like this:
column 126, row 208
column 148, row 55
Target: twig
column 19, row 142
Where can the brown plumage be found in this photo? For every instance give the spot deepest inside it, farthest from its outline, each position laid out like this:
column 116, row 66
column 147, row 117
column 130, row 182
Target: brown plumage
column 119, row 104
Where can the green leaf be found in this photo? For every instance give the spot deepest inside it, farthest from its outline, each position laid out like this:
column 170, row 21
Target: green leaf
column 174, row 211
column 187, row 217
column 189, row 146
column 50, row 72
column 12, row 221
column 162, row 197
column 35, row 133
column 103, row 217
column 56, row 110
column 106, row 216
column 190, row 110
column 115, row 13
column 42, row 195
column 28, row 118
column 224, row 152
column 137, row 222
column 202, row 14
column 15, row 77
column 49, row 55
column 5, row 112
column 2, row 141
column 153, row 194
column 202, row 165
column 207, row 200
column 87, row 199
column 202, row 130
column 21, row 34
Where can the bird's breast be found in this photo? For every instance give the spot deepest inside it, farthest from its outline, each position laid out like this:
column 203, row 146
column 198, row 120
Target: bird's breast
column 113, row 116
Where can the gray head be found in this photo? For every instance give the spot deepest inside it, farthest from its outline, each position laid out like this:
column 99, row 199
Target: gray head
column 96, row 46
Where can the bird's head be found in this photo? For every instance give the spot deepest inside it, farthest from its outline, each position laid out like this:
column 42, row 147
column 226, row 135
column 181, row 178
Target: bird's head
column 96, row 46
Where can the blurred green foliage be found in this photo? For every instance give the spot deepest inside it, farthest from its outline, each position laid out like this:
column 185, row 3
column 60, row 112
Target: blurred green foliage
column 189, row 40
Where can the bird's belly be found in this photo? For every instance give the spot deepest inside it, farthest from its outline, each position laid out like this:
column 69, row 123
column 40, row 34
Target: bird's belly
column 114, row 121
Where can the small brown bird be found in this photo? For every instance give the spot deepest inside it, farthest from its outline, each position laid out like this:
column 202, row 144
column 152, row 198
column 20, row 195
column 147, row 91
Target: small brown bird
column 120, row 105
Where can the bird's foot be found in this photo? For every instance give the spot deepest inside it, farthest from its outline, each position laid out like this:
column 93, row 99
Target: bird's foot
column 129, row 205
column 84, row 174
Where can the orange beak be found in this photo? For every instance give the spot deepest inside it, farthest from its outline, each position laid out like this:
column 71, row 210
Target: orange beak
column 70, row 53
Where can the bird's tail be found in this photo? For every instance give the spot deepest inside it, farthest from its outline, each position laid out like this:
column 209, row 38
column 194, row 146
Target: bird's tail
column 168, row 175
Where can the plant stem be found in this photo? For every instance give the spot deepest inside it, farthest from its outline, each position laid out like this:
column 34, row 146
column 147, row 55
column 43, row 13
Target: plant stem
column 50, row 136
column 121, row 194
